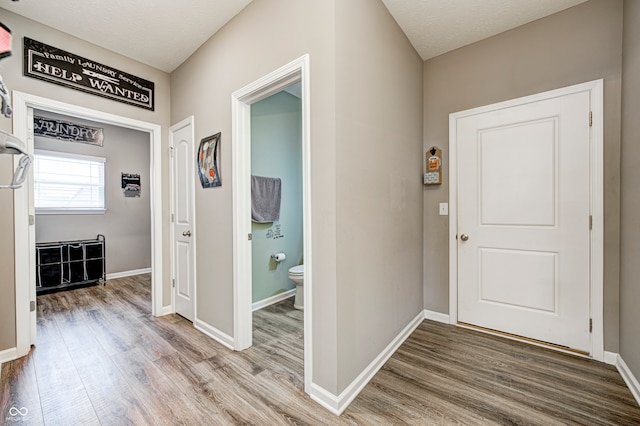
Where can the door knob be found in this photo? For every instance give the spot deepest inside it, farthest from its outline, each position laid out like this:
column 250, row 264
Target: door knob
column 464, row 237
column 186, row 233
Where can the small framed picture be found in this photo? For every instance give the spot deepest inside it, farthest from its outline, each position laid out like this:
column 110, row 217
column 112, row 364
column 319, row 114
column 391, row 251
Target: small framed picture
column 131, row 184
column 208, row 155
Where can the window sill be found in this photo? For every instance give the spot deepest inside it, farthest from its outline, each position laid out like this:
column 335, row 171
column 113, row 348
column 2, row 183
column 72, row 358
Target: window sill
column 70, row 211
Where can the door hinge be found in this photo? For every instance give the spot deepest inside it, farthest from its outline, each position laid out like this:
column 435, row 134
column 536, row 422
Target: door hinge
column 32, row 219
column 590, row 222
column 173, row 283
column 590, row 325
column 249, row 236
column 170, row 151
column 172, row 218
column 32, row 306
column 590, row 118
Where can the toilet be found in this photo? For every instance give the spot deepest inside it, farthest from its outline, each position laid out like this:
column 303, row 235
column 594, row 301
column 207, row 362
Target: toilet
column 296, row 274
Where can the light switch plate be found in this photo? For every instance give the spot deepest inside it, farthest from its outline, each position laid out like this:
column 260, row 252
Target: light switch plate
column 444, row 209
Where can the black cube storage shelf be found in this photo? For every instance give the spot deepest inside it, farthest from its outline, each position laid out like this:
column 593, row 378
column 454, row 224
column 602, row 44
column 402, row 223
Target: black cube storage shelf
column 64, row 265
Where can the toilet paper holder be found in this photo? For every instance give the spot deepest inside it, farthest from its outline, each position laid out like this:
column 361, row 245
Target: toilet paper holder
column 278, row 257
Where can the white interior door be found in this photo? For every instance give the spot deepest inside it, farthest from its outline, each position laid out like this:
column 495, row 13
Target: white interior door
column 524, row 220
column 183, row 224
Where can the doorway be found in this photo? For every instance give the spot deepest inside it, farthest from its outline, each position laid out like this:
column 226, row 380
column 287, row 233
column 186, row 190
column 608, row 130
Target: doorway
column 526, row 223
column 296, row 71
column 276, row 172
column 183, row 224
column 24, row 214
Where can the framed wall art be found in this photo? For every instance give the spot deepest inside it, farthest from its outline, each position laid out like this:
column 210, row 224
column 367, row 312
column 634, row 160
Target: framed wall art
column 208, row 156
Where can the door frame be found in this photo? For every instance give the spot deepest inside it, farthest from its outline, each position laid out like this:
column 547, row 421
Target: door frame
column 24, row 240
column 241, row 100
column 596, row 95
column 189, row 121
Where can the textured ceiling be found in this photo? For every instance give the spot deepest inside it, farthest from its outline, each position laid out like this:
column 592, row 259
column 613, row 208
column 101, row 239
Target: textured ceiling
column 164, row 33
column 435, row 27
column 160, row 33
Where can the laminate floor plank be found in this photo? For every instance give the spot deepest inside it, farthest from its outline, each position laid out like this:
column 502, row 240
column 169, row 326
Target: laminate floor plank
column 63, row 397
column 185, row 375
column 170, row 404
column 502, row 381
column 102, row 358
column 180, row 334
column 113, row 400
column 20, row 400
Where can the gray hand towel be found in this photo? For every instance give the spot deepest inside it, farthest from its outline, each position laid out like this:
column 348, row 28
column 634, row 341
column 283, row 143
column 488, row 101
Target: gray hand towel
column 266, row 194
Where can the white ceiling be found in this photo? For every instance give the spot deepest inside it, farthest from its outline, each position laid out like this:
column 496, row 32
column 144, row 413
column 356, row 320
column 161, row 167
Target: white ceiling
column 164, row 33
column 160, row 33
column 435, row 27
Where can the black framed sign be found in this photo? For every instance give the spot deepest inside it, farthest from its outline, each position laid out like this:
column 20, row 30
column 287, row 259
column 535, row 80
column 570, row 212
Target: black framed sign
column 131, row 184
column 59, row 67
column 67, row 131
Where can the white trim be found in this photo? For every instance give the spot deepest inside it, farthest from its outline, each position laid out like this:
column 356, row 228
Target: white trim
column 241, row 100
column 610, row 358
column 166, row 310
column 436, row 316
column 44, row 211
column 24, row 234
column 58, row 154
column 273, row 300
column 326, row 399
column 131, row 273
column 214, row 333
column 8, row 355
column 189, row 121
column 629, row 378
column 597, row 211
column 595, row 89
column 337, row 404
column 453, row 220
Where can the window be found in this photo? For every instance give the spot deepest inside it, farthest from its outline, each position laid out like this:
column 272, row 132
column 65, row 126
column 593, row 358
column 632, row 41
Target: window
column 68, row 183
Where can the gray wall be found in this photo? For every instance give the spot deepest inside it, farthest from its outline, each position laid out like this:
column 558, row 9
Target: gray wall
column 630, row 199
column 11, row 70
column 126, row 224
column 263, row 37
column 580, row 44
column 379, row 186
column 276, row 151
column 365, row 182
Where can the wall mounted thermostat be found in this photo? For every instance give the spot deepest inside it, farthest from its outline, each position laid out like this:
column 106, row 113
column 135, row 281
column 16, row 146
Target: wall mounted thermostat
column 433, row 175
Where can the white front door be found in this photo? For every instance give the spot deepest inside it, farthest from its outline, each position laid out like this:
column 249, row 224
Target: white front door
column 524, row 220
column 183, row 224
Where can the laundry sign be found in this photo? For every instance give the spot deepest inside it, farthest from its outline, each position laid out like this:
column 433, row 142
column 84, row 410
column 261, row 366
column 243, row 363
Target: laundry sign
column 59, row 67
column 67, row 131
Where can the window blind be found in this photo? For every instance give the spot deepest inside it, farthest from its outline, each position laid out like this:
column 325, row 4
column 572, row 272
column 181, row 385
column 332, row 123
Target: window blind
column 68, row 183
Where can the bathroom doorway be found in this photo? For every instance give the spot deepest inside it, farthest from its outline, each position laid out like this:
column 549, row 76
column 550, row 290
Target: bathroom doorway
column 276, row 175
column 242, row 101
column 277, row 226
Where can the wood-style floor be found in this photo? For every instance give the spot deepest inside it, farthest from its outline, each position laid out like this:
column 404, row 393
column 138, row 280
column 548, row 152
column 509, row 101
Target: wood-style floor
column 101, row 358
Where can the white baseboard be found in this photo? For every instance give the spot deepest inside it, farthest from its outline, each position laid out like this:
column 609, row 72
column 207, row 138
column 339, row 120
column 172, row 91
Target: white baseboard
column 326, row 399
column 610, row 358
column 629, row 378
column 337, row 404
column 273, row 299
column 214, row 333
column 8, row 355
column 123, row 274
column 436, row 316
column 166, row 310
